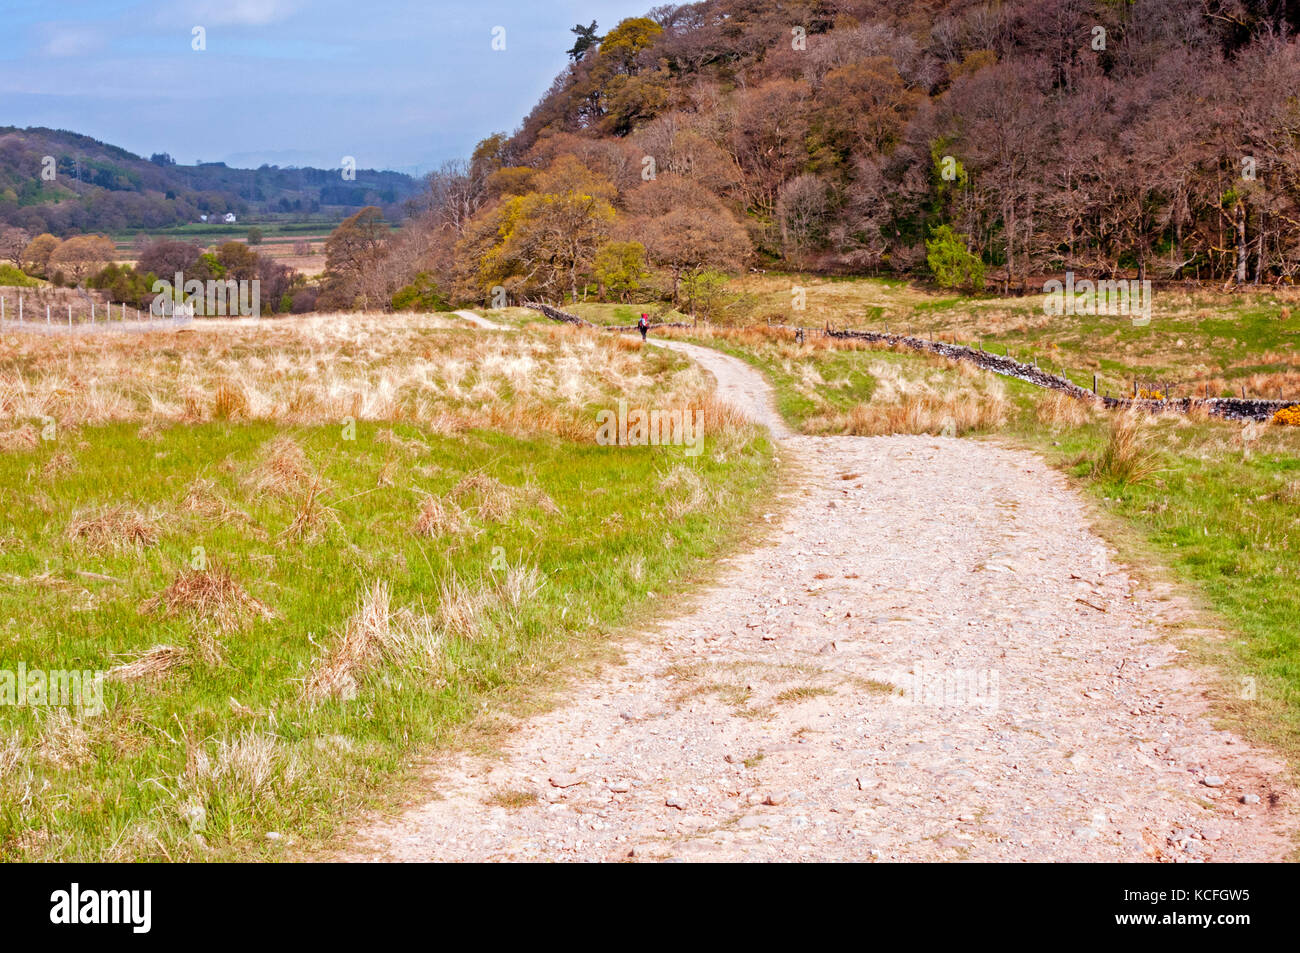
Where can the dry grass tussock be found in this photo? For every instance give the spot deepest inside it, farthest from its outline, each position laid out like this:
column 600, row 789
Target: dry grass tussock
column 250, row 766
column 153, row 665
column 203, row 497
column 496, row 502
column 312, row 515
column 912, row 400
column 949, row 414
column 281, row 471
column 19, row 438
column 117, row 527
column 212, row 595
column 375, row 633
column 439, row 517
column 472, row 613
column 63, row 739
column 1056, row 409
column 57, row 465
column 1128, row 456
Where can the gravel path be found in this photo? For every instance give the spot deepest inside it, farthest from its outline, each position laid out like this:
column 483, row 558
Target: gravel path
column 481, row 322
column 931, row 658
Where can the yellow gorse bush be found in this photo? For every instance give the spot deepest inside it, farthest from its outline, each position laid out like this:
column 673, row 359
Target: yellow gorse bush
column 1289, row 416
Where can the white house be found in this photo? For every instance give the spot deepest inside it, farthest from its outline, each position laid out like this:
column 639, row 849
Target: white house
column 230, row 218
column 203, row 218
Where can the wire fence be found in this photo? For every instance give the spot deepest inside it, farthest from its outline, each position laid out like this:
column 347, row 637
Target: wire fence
column 38, row 314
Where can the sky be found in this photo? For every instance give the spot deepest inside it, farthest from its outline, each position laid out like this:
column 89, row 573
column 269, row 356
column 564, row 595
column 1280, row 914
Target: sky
column 396, row 84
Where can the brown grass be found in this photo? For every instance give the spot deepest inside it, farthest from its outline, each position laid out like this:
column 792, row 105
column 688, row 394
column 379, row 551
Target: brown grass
column 950, row 414
column 323, row 369
column 58, row 465
column 282, row 470
column 1057, row 409
column 203, row 497
column 439, row 518
column 375, row 632
column 252, row 765
column 20, row 438
column 152, row 665
column 1127, row 456
column 462, row 610
column 230, row 402
column 496, row 502
column 117, row 527
column 312, row 515
column 64, row 740
column 211, row 595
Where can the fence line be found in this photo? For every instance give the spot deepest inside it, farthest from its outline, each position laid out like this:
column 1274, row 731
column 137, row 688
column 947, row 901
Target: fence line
column 18, row 317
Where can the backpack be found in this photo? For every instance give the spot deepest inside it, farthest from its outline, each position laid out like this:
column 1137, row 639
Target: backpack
column 644, row 322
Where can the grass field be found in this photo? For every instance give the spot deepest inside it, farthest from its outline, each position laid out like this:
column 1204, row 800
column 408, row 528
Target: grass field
column 1195, row 339
column 305, row 551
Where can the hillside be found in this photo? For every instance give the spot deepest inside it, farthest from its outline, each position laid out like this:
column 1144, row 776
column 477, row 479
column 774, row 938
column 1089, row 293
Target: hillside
column 1007, row 141
column 100, row 187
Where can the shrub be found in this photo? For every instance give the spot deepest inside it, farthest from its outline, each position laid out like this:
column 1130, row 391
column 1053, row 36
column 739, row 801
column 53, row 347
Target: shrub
column 420, row 295
column 1288, row 416
column 12, row 277
column 950, row 261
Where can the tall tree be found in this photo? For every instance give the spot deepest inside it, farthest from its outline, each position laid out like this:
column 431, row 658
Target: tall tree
column 586, row 39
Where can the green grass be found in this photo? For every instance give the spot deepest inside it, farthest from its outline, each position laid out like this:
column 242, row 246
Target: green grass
column 210, row 230
column 622, row 314
column 124, row 784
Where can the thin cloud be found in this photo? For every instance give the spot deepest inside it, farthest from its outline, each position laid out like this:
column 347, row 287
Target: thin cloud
column 62, row 39
column 242, row 12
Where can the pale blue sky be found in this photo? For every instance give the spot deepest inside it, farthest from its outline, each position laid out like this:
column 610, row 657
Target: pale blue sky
column 399, row 85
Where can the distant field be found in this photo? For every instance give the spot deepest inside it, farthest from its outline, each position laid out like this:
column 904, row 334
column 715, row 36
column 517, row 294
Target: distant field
column 278, row 241
column 207, row 231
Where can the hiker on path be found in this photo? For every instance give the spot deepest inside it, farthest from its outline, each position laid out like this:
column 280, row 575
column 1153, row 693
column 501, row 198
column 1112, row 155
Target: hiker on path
column 643, row 325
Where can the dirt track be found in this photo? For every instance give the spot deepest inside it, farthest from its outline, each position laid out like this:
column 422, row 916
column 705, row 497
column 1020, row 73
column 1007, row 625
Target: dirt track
column 931, row 658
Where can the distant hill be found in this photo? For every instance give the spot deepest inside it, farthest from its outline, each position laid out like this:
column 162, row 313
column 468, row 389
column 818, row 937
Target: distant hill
column 98, row 187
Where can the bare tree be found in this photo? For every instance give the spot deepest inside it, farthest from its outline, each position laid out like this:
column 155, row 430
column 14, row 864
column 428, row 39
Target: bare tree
column 13, row 242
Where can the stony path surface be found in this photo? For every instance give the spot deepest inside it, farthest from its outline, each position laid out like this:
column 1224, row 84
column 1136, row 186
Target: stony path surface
column 931, row 658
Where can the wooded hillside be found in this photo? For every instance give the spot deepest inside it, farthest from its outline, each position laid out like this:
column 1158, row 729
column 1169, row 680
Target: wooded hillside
column 1156, row 138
